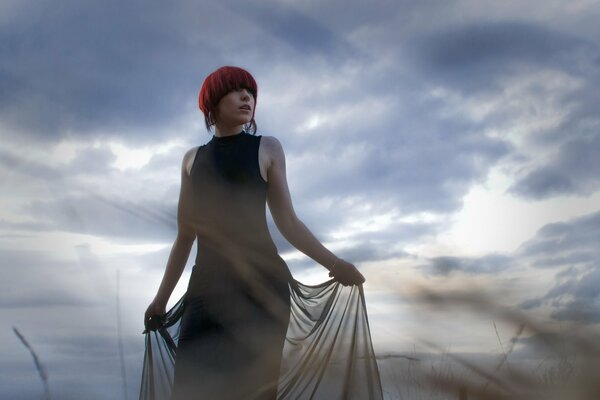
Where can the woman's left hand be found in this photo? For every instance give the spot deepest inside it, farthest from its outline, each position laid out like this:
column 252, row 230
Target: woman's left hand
column 346, row 273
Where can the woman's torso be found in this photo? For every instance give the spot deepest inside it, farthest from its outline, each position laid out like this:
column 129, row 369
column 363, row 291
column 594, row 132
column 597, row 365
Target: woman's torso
column 234, row 247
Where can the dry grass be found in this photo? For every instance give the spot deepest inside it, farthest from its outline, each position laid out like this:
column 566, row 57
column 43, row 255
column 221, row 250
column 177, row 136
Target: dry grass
column 36, row 360
column 568, row 370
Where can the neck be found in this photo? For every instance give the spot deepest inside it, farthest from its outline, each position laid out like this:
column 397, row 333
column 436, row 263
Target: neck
column 224, row 130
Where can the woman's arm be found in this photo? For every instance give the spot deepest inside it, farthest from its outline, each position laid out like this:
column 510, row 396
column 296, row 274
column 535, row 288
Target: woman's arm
column 291, row 227
column 181, row 247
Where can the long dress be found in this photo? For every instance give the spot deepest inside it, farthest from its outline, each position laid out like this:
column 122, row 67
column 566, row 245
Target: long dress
column 245, row 328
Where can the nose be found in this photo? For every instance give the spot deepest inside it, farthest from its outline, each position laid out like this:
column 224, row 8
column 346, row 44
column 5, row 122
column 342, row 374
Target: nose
column 245, row 94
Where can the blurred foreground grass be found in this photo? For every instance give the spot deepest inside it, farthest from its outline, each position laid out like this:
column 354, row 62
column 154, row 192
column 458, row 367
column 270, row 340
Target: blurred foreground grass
column 567, row 365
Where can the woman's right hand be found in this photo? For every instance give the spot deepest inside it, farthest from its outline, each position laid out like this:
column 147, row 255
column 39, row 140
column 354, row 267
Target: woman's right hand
column 154, row 316
column 346, row 273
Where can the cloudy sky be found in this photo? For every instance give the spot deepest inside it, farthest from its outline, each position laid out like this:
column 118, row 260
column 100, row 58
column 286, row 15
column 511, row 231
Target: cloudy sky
column 440, row 143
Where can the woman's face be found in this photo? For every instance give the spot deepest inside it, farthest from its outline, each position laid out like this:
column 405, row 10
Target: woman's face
column 235, row 108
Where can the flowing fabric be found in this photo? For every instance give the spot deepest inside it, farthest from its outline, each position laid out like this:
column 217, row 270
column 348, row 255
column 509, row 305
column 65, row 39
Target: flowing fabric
column 327, row 353
column 245, row 328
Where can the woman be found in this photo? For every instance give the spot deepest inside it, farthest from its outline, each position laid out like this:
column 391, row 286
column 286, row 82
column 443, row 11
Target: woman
column 231, row 325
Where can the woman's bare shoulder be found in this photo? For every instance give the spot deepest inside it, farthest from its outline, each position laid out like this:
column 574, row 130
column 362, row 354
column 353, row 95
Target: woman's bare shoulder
column 188, row 158
column 272, row 144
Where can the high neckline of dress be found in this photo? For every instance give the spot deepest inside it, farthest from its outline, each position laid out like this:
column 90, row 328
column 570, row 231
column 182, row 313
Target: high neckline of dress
column 228, row 138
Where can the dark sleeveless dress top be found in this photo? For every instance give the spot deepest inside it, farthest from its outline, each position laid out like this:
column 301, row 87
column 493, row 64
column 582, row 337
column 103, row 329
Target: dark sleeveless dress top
column 234, row 246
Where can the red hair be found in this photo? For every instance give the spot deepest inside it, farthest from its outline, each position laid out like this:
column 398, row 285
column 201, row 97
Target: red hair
column 220, row 82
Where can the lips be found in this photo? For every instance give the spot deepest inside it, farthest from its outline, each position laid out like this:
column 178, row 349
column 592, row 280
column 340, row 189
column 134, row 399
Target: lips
column 245, row 108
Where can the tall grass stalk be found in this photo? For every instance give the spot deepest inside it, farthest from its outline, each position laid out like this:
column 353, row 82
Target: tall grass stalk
column 38, row 365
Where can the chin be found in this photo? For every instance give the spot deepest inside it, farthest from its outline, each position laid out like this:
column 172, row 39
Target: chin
column 237, row 121
column 243, row 121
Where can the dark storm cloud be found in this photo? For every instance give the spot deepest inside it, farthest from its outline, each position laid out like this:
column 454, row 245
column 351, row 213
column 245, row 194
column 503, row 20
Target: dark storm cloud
column 574, row 170
column 424, row 164
column 87, row 67
column 558, row 239
column 572, row 248
column 575, row 299
column 488, row 264
column 477, row 58
column 433, row 174
column 544, row 182
column 569, row 258
column 301, row 33
column 104, row 68
column 412, row 158
column 371, row 251
column 472, row 57
column 418, row 160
